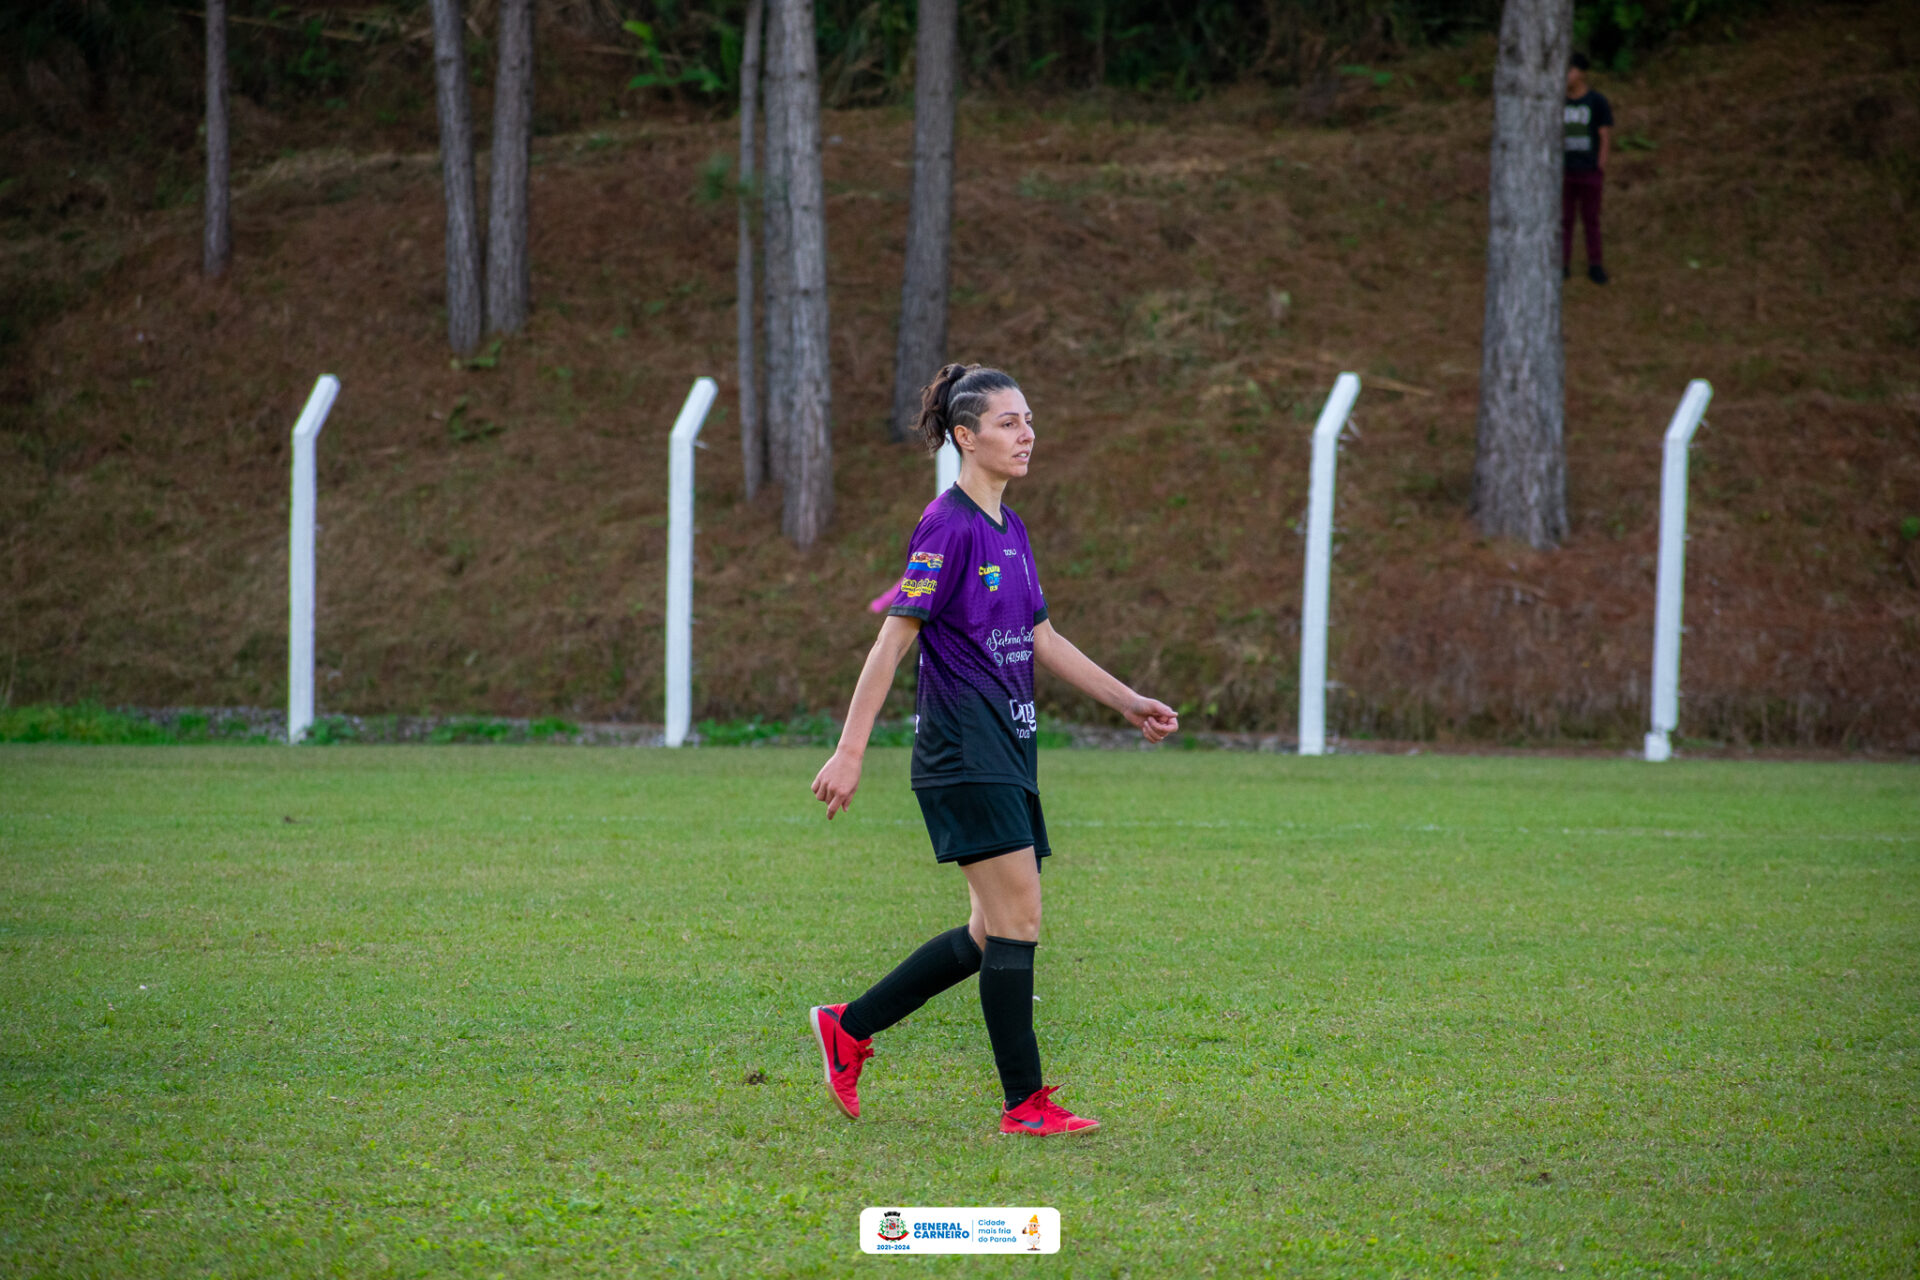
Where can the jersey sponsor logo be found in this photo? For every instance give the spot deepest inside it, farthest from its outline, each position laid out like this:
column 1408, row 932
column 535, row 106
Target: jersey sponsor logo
column 1005, row 646
column 927, row 560
column 914, row 588
column 1025, row 721
column 991, row 572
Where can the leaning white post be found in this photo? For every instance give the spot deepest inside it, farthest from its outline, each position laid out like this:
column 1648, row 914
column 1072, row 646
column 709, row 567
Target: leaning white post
column 1673, row 567
column 1313, row 609
column 946, row 467
column 306, row 433
column 686, row 430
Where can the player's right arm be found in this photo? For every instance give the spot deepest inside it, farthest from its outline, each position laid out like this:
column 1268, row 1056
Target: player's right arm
column 839, row 778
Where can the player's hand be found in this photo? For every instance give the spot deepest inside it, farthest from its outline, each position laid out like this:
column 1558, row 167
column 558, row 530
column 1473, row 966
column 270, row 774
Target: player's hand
column 836, row 782
column 1155, row 720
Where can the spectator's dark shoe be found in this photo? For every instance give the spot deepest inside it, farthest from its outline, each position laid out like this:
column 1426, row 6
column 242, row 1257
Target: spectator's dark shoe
column 1566, row 271
column 1597, row 273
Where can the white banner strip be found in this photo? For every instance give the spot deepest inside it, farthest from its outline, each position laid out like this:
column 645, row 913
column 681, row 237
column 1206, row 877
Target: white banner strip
column 950, row 1230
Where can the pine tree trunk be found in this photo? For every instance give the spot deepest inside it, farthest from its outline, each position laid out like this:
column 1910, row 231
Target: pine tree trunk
column 922, row 345
column 753, row 444
column 217, row 251
column 464, row 319
column 777, row 245
column 808, row 496
column 508, row 275
column 1520, row 468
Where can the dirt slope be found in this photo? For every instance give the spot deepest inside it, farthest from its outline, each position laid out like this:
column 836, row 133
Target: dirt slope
column 1176, row 287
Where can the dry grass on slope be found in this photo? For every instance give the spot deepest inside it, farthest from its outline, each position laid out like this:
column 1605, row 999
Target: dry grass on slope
column 1175, row 287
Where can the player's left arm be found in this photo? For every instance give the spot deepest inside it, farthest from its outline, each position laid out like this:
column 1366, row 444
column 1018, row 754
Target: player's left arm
column 1055, row 653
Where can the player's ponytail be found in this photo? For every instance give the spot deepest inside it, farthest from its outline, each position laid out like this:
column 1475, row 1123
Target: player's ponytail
column 957, row 397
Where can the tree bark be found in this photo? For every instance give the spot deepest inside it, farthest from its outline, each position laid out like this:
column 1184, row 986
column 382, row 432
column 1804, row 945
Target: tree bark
column 464, row 318
column 508, row 273
column 777, row 239
column 1520, row 468
column 808, row 496
column 922, row 345
column 753, row 444
column 217, row 250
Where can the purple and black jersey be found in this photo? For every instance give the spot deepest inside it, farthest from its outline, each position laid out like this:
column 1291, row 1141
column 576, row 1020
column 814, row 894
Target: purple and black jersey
column 973, row 586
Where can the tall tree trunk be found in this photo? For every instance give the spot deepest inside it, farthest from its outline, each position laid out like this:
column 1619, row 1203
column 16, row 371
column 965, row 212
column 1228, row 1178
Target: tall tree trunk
column 808, row 495
column 922, row 345
column 464, row 317
column 753, row 444
column 777, row 236
column 217, row 250
column 508, row 278
column 1520, row 462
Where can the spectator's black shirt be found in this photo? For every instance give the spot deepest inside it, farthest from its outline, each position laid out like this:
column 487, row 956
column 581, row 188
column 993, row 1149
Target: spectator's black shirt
column 1585, row 117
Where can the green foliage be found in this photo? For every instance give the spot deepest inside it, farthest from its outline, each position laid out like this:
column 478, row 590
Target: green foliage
column 716, row 180
column 551, row 727
column 1616, row 34
column 314, row 67
column 665, row 70
column 488, row 359
column 802, row 730
column 1910, row 529
column 538, row 1013
column 1146, row 46
column 328, row 731
column 824, row 731
column 866, row 46
column 472, row 729
column 91, row 723
column 462, row 429
column 88, row 722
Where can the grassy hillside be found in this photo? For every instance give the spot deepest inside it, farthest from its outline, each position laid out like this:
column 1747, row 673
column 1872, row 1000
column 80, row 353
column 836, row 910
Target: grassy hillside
column 1175, row 285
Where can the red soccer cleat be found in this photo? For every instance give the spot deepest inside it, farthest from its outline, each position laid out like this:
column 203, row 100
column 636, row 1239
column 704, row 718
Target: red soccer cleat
column 1041, row 1117
column 841, row 1055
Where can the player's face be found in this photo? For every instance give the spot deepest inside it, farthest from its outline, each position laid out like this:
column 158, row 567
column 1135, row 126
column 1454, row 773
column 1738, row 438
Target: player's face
column 1003, row 442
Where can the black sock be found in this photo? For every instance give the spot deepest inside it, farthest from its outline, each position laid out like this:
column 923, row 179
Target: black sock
column 1006, row 999
column 938, row 964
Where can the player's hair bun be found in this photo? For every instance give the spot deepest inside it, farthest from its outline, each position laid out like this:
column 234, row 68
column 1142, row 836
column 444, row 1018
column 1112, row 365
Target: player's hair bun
column 957, row 397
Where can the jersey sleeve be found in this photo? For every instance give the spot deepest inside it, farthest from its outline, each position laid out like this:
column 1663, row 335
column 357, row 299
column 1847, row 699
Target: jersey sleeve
column 1039, row 596
column 935, row 558
column 1602, row 114
column 1033, row 577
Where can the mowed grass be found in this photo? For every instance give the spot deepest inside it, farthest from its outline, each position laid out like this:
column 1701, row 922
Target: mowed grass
column 501, row 1011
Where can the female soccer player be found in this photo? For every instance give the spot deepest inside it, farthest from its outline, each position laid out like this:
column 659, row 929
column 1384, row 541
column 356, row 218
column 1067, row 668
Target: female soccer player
column 972, row 595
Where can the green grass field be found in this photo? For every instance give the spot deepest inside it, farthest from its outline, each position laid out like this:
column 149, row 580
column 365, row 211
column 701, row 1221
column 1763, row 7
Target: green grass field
column 523, row 1011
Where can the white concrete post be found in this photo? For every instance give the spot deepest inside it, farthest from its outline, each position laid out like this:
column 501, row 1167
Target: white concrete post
column 946, row 468
column 1673, row 566
column 306, row 433
column 686, row 430
column 1313, row 607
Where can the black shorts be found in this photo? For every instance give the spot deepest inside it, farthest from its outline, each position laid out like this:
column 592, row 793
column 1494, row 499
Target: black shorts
column 973, row 821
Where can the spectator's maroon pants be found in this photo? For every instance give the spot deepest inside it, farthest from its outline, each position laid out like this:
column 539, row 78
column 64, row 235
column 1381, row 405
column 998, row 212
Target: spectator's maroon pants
column 1580, row 194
